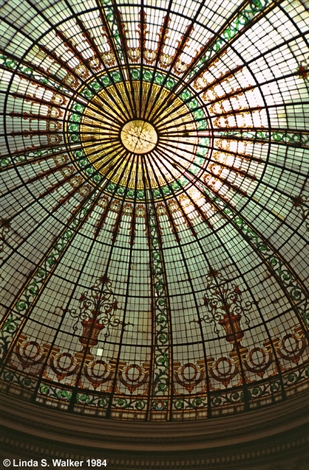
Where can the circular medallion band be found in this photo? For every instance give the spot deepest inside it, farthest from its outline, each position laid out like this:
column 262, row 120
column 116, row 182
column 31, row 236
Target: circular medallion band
column 138, row 136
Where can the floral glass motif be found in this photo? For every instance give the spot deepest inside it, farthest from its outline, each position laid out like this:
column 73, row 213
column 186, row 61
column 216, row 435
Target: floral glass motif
column 199, row 219
column 96, row 312
column 223, row 302
column 302, row 69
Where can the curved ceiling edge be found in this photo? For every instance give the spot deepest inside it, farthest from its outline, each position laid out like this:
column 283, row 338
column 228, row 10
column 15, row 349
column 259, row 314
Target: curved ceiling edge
column 145, row 437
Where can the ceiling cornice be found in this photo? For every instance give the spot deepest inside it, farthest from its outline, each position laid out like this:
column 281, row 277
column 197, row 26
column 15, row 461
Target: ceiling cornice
column 96, row 432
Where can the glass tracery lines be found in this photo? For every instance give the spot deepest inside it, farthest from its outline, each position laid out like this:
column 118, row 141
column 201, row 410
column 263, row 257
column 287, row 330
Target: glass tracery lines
column 154, row 162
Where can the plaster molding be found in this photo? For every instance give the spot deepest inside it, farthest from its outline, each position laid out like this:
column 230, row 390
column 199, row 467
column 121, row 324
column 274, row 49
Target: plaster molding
column 68, row 428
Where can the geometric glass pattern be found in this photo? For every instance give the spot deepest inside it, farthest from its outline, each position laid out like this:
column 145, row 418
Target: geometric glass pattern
column 154, row 224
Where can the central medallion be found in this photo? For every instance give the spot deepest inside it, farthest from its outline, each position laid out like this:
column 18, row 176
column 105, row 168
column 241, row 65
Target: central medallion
column 138, row 136
column 117, row 149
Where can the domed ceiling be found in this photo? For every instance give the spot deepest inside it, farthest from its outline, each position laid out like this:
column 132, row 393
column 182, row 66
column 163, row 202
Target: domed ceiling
column 154, row 205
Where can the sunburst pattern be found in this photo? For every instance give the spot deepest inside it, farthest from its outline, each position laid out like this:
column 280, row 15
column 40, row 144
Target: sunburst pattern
column 154, row 234
column 113, row 141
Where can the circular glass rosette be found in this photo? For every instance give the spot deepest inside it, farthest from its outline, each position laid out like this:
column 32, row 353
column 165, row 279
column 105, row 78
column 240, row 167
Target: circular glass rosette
column 139, row 136
column 129, row 136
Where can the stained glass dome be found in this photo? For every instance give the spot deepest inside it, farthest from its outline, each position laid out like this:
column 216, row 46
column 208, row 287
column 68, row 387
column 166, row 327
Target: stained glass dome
column 154, row 162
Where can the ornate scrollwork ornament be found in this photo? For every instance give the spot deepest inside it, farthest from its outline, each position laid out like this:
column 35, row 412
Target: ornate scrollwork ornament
column 189, row 375
column 29, row 352
column 302, row 69
column 99, row 372
column 222, row 370
column 4, row 230
column 259, row 359
column 63, row 364
column 224, row 305
column 96, row 312
column 301, row 204
column 292, row 346
column 134, row 376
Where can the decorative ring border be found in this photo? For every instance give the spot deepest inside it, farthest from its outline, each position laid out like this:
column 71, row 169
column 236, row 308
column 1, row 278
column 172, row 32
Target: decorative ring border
column 85, row 167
